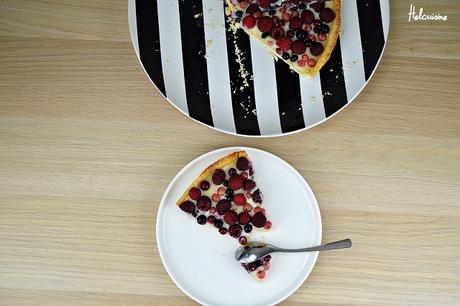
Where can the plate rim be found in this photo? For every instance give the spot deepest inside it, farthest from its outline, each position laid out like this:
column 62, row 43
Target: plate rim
column 131, row 21
column 224, row 150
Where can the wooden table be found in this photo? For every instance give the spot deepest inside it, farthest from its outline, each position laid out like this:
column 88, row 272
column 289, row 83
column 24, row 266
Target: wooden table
column 87, row 147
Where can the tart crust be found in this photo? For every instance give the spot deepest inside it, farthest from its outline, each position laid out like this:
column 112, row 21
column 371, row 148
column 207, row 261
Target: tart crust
column 322, row 59
column 221, row 163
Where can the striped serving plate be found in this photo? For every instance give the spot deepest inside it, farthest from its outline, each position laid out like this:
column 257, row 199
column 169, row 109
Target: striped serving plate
column 226, row 80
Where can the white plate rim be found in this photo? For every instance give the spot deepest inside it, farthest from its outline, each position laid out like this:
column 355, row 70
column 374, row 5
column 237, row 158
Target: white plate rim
column 223, row 151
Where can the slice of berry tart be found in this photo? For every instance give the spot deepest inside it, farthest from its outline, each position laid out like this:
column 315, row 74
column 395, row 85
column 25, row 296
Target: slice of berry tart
column 302, row 33
column 226, row 196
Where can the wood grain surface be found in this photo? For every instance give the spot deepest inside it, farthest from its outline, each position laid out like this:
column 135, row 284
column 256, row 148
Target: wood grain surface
column 87, row 147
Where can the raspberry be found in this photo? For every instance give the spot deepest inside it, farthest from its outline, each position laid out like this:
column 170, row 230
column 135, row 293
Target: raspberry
column 277, row 32
column 244, row 218
column 326, row 15
column 203, row 203
column 298, row 47
column 295, row 23
column 235, row 230
column 231, row 217
column 284, row 43
column 264, row 3
column 194, row 193
column 317, row 49
column 259, row 220
column 239, row 199
column 235, row 182
column 188, row 207
column 265, row 24
column 317, row 6
column 252, row 9
column 218, row 177
column 307, row 16
column 248, row 184
column 249, row 21
column 242, row 164
column 223, row 206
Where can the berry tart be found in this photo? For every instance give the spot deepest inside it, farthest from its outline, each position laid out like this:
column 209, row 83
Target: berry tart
column 302, row 33
column 226, row 196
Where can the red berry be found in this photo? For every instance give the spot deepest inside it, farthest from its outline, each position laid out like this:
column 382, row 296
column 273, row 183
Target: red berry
column 298, row 47
column 311, row 62
column 235, row 182
column 244, row 218
column 326, row 15
column 188, row 207
column 248, row 184
column 249, row 21
column 211, row 219
column 203, row 203
column 264, row 3
column 223, row 230
column 221, row 191
column 295, row 23
column 268, row 225
column 242, row 163
column 204, row 185
column 261, row 274
column 235, row 230
column 215, row 197
column 194, row 193
column 243, row 240
column 317, row 6
column 267, row 265
column 247, row 207
column 265, row 24
column 218, row 177
column 290, row 33
column 212, row 210
column 252, row 8
column 317, row 49
column 239, row 199
column 307, row 16
column 231, row 217
column 259, row 220
column 257, row 196
column 284, row 43
column 223, row 206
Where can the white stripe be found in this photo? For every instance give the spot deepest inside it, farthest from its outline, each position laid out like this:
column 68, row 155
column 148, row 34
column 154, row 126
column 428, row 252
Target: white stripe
column 133, row 25
column 385, row 10
column 312, row 100
column 171, row 53
column 217, row 62
column 352, row 52
column 265, row 92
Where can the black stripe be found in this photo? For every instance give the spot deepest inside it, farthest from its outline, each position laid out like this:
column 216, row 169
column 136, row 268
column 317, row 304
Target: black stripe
column 195, row 67
column 242, row 87
column 333, row 83
column 289, row 98
column 371, row 29
column 149, row 41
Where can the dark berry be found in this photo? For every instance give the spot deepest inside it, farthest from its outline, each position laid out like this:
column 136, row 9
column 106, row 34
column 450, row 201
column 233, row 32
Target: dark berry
column 327, row 15
column 307, row 16
column 267, row 258
column 317, row 6
column 302, row 6
column 265, row 24
column 229, row 197
column 294, row 58
column 229, row 191
column 225, row 183
column 248, row 228
column 264, row 3
column 271, row 12
column 239, row 13
column 231, row 217
column 204, row 185
column 235, row 230
column 201, row 219
column 203, row 203
column 317, row 49
column 194, row 193
column 290, row 33
column 317, row 29
column 194, row 214
column 218, row 177
column 252, row 8
column 223, row 230
column 242, row 163
column 244, row 218
column 235, row 182
column 295, row 23
column 218, row 223
column 187, row 206
column 286, row 55
column 243, row 240
column 223, row 206
column 231, row 171
column 258, row 220
column 325, row 29
column 257, row 196
column 301, row 34
column 298, row 47
column 249, row 184
column 277, row 32
column 264, row 35
column 308, row 43
column 211, row 219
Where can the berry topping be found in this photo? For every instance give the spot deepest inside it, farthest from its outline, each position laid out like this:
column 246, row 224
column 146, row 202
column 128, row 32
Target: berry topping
column 242, row 164
column 235, row 230
column 268, row 225
column 290, row 33
column 267, row 258
column 298, row 47
column 317, row 6
column 277, row 32
column 235, row 182
column 215, row 197
column 248, row 184
column 194, row 214
column 295, row 23
column 326, row 15
column 284, row 43
column 231, row 217
column 218, row 177
column 239, row 199
column 267, row 265
column 223, row 230
column 188, row 207
column 221, row 191
column 261, row 274
column 201, row 219
column 212, row 210
column 258, row 220
column 243, row 240
column 264, row 3
column 211, row 219
column 218, row 223
column 194, row 193
column 231, row 171
column 322, row 37
column 249, row 21
column 248, row 228
column 204, row 185
column 265, row 24
column 307, row 16
column 223, row 206
column 244, row 218
column 317, row 49
column 257, row 196
column 203, row 203
column 311, row 62
column 252, row 8
column 247, row 207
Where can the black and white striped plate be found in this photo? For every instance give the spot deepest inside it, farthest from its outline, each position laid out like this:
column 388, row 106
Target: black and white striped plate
column 185, row 49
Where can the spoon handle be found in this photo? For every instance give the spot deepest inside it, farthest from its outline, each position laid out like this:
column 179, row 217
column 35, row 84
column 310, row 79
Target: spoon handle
column 342, row 244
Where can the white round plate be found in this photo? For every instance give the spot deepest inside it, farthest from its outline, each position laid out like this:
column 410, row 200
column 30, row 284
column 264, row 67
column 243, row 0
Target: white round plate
column 200, row 260
column 193, row 59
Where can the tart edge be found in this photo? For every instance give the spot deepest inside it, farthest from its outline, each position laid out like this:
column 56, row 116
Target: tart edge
column 224, row 161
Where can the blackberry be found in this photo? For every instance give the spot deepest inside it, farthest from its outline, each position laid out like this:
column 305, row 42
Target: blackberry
column 201, row 219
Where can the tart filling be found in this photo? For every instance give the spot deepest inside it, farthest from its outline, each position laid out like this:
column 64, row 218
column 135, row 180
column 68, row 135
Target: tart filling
column 226, row 196
column 302, row 33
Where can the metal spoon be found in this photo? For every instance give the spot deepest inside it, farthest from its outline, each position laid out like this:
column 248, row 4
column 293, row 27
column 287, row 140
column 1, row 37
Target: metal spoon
column 253, row 251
